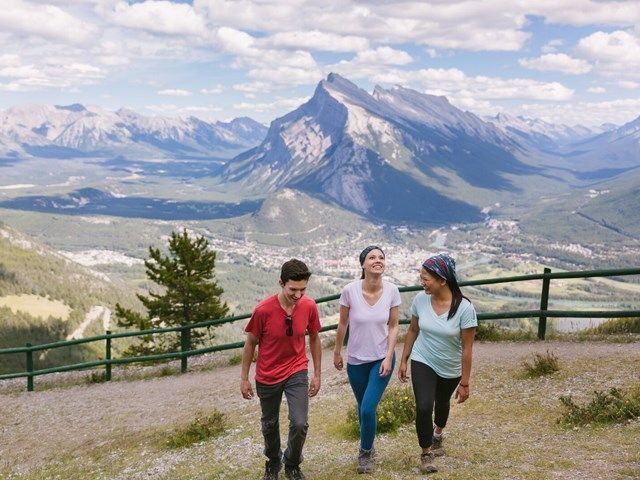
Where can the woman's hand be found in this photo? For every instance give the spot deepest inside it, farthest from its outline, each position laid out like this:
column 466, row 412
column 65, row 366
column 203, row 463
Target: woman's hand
column 462, row 393
column 337, row 360
column 402, row 372
column 386, row 366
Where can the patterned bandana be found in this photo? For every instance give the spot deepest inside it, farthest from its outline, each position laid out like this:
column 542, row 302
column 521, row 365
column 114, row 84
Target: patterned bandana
column 365, row 252
column 442, row 265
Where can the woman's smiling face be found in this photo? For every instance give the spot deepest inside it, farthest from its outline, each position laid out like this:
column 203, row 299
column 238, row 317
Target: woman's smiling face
column 374, row 262
column 430, row 282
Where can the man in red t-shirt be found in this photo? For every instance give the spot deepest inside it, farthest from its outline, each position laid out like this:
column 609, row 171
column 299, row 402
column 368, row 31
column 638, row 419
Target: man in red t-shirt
column 278, row 325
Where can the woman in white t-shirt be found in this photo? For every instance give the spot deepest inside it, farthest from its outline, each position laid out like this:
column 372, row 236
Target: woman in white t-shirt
column 439, row 341
column 370, row 307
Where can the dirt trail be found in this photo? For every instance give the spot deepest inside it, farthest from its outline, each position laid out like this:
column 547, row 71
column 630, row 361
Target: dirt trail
column 44, row 426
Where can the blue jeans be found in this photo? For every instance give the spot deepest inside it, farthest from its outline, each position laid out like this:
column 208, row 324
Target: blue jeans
column 368, row 387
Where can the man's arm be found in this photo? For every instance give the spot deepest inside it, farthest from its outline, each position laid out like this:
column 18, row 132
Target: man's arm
column 316, row 355
column 247, row 356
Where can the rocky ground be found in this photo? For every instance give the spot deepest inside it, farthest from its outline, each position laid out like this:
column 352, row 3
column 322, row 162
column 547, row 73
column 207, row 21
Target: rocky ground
column 114, row 429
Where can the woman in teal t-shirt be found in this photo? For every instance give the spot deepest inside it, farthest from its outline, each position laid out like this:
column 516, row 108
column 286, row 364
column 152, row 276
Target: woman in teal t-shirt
column 439, row 341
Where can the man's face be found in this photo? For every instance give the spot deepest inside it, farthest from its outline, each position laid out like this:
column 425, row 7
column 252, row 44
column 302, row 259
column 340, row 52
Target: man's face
column 293, row 290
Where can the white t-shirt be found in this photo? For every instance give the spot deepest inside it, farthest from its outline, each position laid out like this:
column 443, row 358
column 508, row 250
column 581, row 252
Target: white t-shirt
column 368, row 324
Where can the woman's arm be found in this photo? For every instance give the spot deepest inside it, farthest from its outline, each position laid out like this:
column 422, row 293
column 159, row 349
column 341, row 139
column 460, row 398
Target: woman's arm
column 467, row 336
column 387, row 364
column 409, row 340
column 340, row 333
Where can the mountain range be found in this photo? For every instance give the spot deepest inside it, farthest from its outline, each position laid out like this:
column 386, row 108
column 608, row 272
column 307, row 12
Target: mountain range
column 393, row 155
column 80, row 131
column 397, row 154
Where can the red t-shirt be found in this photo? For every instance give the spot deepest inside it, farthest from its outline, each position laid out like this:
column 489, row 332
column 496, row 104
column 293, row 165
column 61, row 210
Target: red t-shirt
column 280, row 356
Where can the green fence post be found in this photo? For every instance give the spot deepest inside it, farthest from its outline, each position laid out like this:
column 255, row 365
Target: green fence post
column 107, row 356
column 29, row 368
column 185, row 341
column 544, row 304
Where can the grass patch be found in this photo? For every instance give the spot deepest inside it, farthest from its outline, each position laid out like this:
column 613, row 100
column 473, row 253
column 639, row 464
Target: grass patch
column 235, row 359
column 614, row 406
column 98, row 376
column 397, row 408
column 200, row 429
column 617, row 325
column 542, row 364
column 490, row 332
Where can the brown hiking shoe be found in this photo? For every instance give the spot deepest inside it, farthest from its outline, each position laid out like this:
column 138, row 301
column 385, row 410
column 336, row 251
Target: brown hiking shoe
column 366, row 463
column 427, row 464
column 436, row 447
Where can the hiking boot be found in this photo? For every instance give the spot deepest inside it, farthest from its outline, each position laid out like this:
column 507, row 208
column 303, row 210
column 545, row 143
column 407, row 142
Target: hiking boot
column 293, row 473
column 366, row 463
column 436, row 447
column 272, row 469
column 427, row 464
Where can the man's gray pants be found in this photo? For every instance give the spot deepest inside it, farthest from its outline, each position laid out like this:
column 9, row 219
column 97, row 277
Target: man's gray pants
column 296, row 390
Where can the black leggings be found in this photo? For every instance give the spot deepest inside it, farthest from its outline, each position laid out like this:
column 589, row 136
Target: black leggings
column 430, row 390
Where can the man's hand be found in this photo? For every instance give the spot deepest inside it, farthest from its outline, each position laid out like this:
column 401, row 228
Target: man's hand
column 246, row 390
column 314, row 386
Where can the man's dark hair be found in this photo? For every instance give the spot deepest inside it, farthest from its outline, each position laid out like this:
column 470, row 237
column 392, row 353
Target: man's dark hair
column 294, row 270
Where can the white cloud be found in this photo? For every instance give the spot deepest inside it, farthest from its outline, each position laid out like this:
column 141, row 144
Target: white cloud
column 370, row 62
column 552, row 45
column 615, row 54
column 473, row 25
column 457, row 85
column 158, row 16
column 628, row 84
column 174, row 92
column 285, row 104
column 47, row 21
column 557, row 62
column 586, row 113
column 596, row 90
column 214, row 90
column 586, row 12
column 316, row 40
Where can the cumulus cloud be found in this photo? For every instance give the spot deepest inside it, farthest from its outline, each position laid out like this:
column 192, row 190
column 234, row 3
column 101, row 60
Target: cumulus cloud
column 316, row 40
column 586, row 113
column 628, row 84
column 158, row 16
column 615, row 54
column 557, row 62
column 279, row 104
column 214, row 90
column 596, row 90
column 454, row 83
column 54, row 72
column 552, row 45
column 46, row 21
column 174, row 92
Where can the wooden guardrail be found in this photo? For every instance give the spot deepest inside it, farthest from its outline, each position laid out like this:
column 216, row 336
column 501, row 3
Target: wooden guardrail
column 185, row 351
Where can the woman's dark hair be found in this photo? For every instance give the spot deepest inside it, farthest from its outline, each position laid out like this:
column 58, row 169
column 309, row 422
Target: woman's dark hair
column 295, row 270
column 452, row 282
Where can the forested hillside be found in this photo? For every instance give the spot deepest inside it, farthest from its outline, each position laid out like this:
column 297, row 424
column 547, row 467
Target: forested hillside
column 45, row 297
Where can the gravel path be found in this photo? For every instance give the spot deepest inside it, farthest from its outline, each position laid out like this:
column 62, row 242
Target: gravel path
column 42, row 427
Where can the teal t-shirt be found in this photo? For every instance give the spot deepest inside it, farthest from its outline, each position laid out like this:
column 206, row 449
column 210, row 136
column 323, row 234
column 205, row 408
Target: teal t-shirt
column 438, row 344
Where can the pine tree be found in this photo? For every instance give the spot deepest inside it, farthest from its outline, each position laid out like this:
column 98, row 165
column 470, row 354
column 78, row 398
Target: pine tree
column 189, row 294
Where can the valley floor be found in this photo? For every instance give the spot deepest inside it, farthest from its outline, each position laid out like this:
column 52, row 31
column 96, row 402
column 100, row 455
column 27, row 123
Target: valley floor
column 507, row 429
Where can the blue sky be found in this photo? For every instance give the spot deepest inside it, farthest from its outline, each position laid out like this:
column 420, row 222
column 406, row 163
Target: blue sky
column 576, row 61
